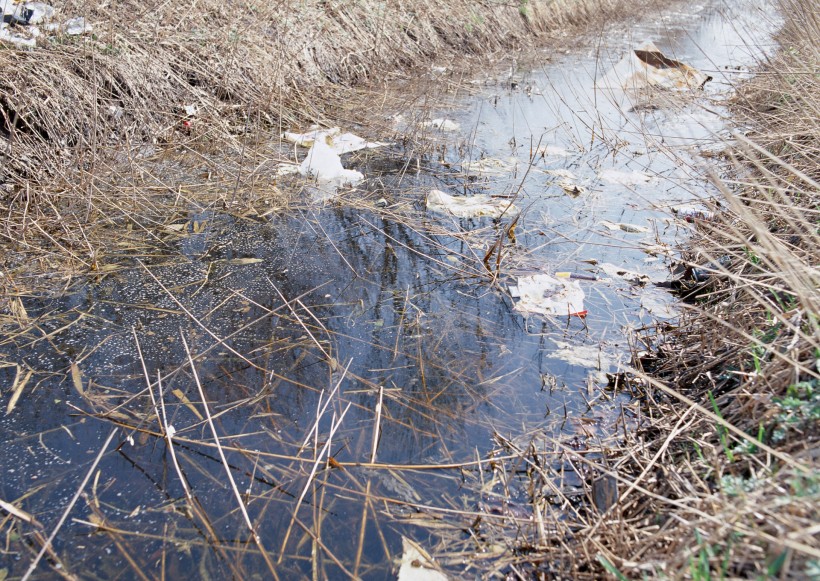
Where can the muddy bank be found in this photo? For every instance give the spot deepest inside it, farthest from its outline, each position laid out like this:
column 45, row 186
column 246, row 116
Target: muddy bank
column 140, row 71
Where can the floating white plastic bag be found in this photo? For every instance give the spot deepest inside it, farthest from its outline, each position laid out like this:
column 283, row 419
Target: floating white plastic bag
column 541, row 294
column 646, row 66
column 325, row 165
column 442, row 124
column 469, row 207
column 338, row 141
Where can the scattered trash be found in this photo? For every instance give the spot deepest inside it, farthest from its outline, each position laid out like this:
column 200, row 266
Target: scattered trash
column 26, row 15
column 339, row 142
column 28, row 12
column 576, row 275
column 469, row 207
column 442, row 124
column 190, row 110
column 627, row 275
column 572, row 189
column 417, row 564
column 646, row 66
column 325, row 165
column 568, row 183
column 76, row 26
column 693, row 214
column 490, row 165
column 381, row 203
column 542, row 294
column 623, row 178
column 286, row 169
column 631, row 228
column 705, row 272
column 582, row 355
column 20, row 37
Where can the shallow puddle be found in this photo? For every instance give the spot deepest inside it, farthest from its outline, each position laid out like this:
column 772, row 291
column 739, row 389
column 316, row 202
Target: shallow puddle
column 357, row 359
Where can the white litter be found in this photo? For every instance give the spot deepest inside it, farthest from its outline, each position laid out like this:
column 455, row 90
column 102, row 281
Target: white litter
column 624, row 178
column 21, row 37
column 338, row 141
column 469, row 207
column 646, row 66
column 76, row 26
column 541, row 294
column 442, row 124
column 417, row 564
column 490, row 165
column 631, row 228
column 627, row 275
column 325, row 165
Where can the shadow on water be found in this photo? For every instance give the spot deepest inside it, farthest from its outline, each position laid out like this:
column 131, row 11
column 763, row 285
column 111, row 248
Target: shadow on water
column 358, row 360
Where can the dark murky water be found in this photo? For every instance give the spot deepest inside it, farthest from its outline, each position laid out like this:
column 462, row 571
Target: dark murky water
column 351, row 304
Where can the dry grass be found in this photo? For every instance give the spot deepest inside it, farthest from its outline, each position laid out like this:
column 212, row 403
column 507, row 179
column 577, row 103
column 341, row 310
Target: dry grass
column 247, row 65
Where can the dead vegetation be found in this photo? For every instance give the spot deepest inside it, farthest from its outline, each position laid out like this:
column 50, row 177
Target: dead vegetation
column 241, row 67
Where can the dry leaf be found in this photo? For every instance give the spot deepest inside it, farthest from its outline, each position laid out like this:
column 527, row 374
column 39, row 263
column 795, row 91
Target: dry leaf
column 184, row 399
column 77, row 378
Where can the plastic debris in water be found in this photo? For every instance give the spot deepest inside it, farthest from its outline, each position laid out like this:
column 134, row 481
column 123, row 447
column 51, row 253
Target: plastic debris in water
column 325, row 165
column 338, row 141
column 469, row 207
column 693, row 214
column 646, row 66
column 631, row 228
column 442, row 124
column 541, row 294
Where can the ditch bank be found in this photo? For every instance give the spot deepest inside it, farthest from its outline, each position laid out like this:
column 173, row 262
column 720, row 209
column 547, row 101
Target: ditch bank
column 141, row 73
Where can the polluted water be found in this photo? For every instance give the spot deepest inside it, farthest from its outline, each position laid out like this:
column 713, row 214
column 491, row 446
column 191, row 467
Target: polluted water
column 329, row 390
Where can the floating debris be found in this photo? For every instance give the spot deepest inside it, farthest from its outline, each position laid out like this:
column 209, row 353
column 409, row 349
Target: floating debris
column 469, row 207
column 693, row 214
column 325, row 165
column 490, row 165
column 442, row 124
column 627, row 275
column 417, row 564
column 646, row 67
column 631, row 228
column 339, row 142
column 542, row 294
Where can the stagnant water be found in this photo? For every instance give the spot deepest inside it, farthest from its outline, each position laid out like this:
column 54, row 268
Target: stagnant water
column 301, row 323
